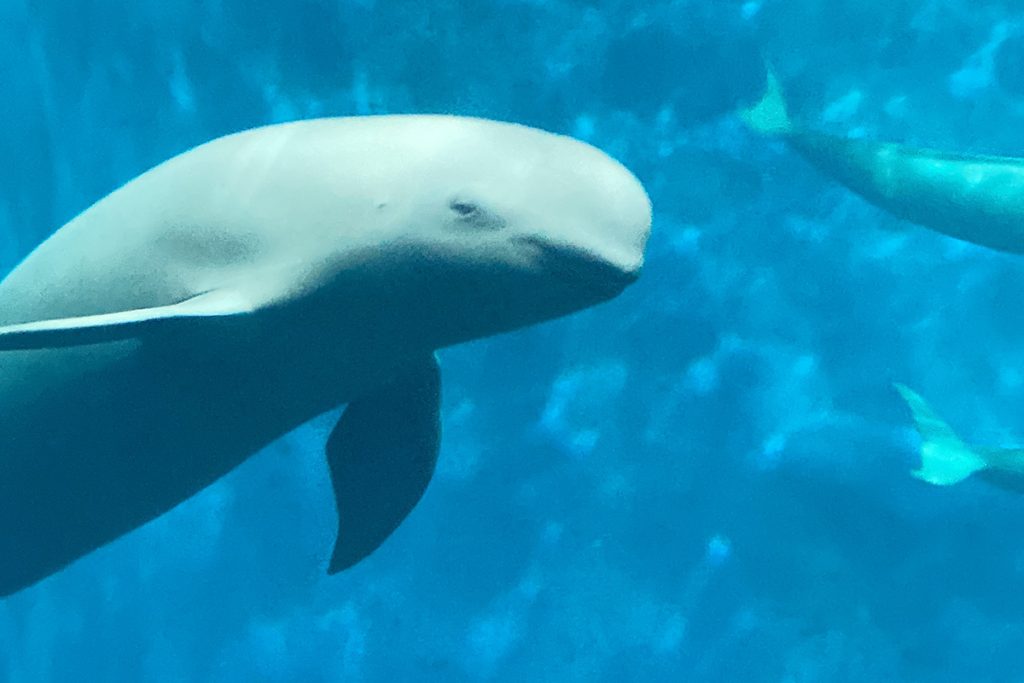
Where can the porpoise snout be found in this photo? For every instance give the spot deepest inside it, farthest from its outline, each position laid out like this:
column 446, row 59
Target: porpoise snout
column 622, row 218
column 582, row 267
column 597, row 221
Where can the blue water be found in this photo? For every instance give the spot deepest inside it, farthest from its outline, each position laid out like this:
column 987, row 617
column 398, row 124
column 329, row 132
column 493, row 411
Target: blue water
column 705, row 479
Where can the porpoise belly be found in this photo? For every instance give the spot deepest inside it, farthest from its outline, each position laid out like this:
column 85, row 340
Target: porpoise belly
column 96, row 441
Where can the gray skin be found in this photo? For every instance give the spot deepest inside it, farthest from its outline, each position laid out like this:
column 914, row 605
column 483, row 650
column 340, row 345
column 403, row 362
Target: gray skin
column 233, row 293
column 978, row 199
column 974, row 198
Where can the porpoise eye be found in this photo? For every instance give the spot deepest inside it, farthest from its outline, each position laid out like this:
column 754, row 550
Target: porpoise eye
column 464, row 209
column 473, row 215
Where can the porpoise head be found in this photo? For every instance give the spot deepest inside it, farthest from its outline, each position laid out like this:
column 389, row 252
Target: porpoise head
column 496, row 226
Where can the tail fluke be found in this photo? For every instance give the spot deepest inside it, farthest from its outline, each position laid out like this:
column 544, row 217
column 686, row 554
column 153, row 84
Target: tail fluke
column 769, row 116
column 945, row 459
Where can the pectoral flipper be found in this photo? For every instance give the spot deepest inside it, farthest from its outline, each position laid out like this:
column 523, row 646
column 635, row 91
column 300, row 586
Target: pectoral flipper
column 382, row 454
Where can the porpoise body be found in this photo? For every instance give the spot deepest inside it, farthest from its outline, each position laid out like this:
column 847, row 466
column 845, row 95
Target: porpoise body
column 975, row 198
column 236, row 291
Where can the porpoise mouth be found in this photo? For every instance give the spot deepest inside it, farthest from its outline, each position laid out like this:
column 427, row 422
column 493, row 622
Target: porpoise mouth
column 580, row 267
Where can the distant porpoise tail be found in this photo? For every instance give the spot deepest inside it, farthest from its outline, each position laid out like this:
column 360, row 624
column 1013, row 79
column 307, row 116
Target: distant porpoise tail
column 945, row 459
column 769, row 116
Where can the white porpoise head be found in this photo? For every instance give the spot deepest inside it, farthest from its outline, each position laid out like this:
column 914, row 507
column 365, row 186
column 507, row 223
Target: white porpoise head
column 479, row 227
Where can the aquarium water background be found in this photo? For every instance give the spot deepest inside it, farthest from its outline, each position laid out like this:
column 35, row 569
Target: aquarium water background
column 703, row 480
